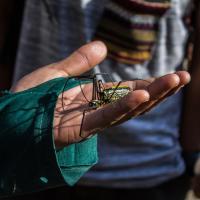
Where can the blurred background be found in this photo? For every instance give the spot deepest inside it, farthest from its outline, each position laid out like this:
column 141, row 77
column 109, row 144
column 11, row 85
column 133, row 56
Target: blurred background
column 11, row 12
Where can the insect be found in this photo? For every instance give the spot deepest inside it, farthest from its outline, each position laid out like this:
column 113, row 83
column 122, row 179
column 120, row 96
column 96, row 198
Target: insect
column 101, row 93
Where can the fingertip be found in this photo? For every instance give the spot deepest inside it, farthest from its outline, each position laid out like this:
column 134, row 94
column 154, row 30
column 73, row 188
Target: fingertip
column 139, row 96
column 175, row 80
column 95, row 51
column 170, row 80
column 142, row 95
column 83, row 59
column 98, row 47
column 184, row 77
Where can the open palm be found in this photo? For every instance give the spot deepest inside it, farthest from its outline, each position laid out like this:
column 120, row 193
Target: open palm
column 69, row 124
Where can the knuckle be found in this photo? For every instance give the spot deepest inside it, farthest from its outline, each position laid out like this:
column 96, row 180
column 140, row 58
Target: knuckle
column 83, row 57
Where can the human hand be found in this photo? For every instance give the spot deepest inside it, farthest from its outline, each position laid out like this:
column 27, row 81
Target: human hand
column 67, row 123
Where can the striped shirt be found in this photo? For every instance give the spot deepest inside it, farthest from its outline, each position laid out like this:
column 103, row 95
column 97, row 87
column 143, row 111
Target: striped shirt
column 142, row 152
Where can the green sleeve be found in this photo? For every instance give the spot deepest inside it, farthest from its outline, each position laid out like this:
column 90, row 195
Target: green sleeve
column 29, row 161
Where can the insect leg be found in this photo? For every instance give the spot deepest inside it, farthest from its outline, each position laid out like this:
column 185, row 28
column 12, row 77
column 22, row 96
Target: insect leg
column 82, row 121
column 63, row 92
column 101, row 89
column 108, row 75
column 83, row 92
column 78, row 78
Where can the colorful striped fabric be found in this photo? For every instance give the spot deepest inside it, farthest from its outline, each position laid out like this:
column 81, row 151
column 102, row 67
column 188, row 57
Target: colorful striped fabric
column 129, row 28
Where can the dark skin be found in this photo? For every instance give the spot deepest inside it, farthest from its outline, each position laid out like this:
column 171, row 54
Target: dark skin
column 143, row 97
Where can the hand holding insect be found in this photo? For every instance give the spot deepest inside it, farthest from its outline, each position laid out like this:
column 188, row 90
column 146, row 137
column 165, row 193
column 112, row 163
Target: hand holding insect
column 78, row 115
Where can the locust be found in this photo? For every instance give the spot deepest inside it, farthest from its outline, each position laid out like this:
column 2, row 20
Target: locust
column 101, row 95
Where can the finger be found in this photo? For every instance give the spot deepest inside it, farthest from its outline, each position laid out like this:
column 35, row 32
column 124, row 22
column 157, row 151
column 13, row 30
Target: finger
column 111, row 113
column 79, row 62
column 83, row 59
column 155, row 103
column 159, row 88
column 184, row 79
column 162, row 85
column 138, row 84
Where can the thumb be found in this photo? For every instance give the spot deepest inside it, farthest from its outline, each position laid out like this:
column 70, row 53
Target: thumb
column 83, row 59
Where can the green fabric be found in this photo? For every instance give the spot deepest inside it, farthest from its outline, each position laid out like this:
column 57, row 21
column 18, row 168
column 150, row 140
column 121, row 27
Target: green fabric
column 28, row 159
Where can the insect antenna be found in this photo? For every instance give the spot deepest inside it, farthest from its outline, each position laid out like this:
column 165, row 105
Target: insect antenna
column 80, row 85
column 83, row 91
column 95, row 96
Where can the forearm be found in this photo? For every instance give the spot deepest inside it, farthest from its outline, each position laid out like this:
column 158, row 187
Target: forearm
column 29, row 160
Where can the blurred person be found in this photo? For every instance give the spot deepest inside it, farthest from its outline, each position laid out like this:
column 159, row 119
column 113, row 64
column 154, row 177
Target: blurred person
column 42, row 122
column 142, row 157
